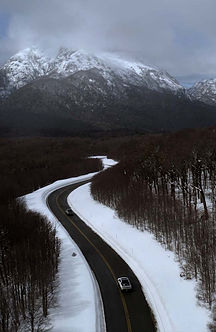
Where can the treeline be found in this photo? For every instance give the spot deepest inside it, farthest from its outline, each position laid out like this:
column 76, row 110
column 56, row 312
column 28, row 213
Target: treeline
column 166, row 184
column 29, row 248
column 27, row 164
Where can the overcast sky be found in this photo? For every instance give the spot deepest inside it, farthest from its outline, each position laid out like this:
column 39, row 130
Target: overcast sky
column 176, row 35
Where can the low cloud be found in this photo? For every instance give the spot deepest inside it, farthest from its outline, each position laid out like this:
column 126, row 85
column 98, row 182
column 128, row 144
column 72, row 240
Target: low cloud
column 178, row 36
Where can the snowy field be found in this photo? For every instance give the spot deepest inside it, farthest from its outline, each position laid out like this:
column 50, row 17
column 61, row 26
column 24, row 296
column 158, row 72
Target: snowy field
column 172, row 299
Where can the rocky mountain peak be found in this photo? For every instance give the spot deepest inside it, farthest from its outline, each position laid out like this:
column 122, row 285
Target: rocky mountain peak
column 204, row 91
column 24, row 67
column 31, row 64
column 78, row 90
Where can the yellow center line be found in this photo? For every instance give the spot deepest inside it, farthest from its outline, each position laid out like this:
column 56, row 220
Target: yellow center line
column 105, row 261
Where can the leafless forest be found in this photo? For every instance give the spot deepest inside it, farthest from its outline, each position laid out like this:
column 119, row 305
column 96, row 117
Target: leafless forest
column 166, row 184
column 29, row 248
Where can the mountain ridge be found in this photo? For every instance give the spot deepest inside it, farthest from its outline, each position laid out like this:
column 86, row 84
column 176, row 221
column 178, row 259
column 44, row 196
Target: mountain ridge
column 77, row 91
column 31, row 64
column 204, row 91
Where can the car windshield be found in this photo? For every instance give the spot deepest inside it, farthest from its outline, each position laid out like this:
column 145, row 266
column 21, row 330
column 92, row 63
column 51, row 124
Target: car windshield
column 125, row 281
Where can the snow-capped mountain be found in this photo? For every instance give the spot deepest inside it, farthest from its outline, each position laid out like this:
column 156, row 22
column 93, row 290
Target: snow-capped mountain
column 110, row 67
column 204, row 91
column 78, row 91
column 22, row 68
column 31, row 64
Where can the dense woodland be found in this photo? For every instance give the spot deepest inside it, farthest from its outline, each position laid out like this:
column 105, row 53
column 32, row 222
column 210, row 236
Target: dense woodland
column 29, row 252
column 29, row 248
column 166, row 184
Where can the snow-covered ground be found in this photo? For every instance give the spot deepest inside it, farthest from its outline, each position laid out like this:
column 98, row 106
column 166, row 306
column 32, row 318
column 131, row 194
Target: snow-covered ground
column 79, row 307
column 172, row 299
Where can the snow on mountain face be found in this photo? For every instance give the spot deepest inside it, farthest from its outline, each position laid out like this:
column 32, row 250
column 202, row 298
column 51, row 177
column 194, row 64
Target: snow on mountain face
column 68, row 62
column 110, row 66
column 204, row 91
column 31, row 64
column 23, row 68
column 139, row 72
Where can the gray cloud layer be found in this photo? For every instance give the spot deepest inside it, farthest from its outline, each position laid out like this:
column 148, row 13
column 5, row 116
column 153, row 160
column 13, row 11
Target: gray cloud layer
column 179, row 36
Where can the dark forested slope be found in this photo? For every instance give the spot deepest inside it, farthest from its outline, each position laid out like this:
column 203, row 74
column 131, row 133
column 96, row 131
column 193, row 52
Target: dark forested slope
column 48, row 105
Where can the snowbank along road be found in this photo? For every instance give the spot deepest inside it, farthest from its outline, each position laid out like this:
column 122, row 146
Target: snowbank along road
column 124, row 312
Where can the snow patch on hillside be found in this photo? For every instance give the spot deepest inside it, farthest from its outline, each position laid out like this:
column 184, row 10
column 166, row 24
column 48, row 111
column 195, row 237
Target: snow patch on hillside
column 204, row 91
column 26, row 66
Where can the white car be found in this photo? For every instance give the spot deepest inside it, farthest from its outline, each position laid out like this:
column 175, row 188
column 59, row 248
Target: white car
column 124, row 283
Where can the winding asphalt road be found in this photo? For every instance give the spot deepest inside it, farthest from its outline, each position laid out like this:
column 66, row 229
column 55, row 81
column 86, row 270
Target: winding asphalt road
column 124, row 312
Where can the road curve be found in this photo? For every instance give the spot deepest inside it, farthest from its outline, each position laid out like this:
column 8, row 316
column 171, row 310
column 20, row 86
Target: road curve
column 123, row 312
